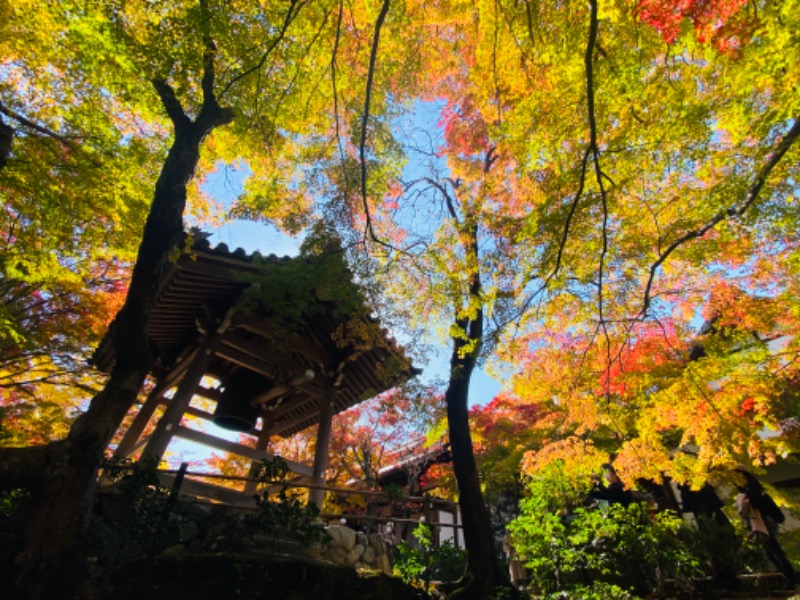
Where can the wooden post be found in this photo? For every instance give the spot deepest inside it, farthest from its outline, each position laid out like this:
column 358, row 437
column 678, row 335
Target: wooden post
column 262, row 443
column 171, row 418
column 140, row 421
column 323, row 442
column 131, row 440
column 455, row 527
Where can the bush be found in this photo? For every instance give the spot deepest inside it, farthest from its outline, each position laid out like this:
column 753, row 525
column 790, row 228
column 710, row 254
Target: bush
column 136, row 521
column 282, row 512
column 604, row 545
column 13, row 502
column 421, row 564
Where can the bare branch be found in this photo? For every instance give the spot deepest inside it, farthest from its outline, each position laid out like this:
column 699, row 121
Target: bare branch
column 449, row 201
column 589, row 58
column 334, row 53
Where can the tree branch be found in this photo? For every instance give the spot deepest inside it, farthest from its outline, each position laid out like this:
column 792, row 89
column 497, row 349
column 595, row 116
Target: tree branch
column 171, row 104
column 6, row 139
column 291, row 14
column 334, row 53
column 564, row 236
column 31, row 125
column 732, row 212
column 451, row 208
column 365, row 118
column 599, row 176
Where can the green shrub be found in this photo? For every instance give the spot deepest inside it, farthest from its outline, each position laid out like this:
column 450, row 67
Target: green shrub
column 14, row 501
column 282, row 512
column 423, row 563
column 139, row 524
column 602, row 546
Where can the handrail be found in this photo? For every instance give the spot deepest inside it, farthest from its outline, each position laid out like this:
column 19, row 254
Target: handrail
column 327, row 488
column 182, row 473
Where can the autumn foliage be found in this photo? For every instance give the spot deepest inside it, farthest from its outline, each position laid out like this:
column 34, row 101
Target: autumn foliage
column 603, row 210
column 727, row 24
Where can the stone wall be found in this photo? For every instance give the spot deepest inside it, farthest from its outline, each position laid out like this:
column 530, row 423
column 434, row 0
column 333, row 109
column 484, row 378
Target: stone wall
column 354, row 548
column 194, row 528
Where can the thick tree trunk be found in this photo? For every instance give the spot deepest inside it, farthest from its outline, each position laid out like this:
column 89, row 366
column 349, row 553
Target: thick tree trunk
column 478, row 536
column 52, row 559
column 22, row 467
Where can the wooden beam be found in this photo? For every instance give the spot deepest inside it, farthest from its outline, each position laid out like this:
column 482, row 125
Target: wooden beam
column 177, row 371
column 207, row 416
column 208, row 393
column 280, row 426
column 322, row 450
column 209, row 256
column 262, row 443
column 128, row 444
column 289, row 406
column 316, row 353
column 264, row 351
column 278, row 390
column 208, row 490
column 207, row 269
column 212, row 441
column 132, row 450
column 246, row 361
column 165, row 427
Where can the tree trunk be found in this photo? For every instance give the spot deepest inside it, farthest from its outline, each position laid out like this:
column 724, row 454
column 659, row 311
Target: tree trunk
column 51, row 562
column 6, row 138
column 478, row 536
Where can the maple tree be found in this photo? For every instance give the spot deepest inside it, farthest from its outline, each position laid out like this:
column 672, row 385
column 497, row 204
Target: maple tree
column 504, row 431
column 197, row 65
column 374, row 434
column 634, row 151
column 658, row 183
column 66, row 187
column 602, row 168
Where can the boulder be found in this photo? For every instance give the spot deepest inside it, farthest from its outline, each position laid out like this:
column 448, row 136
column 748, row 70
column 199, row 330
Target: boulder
column 382, row 563
column 336, row 555
column 174, row 551
column 369, row 555
column 376, row 543
column 355, row 554
column 342, row 536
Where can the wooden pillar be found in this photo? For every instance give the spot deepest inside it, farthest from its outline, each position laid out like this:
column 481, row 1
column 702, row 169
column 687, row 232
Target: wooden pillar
column 130, row 440
column 128, row 443
column 169, row 421
column 267, row 421
column 255, row 466
column 323, row 442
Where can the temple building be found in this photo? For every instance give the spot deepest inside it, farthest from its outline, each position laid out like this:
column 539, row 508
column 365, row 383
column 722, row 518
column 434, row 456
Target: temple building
column 289, row 341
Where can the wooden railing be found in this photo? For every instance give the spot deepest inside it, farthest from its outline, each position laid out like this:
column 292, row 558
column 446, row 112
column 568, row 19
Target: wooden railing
column 195, row 485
